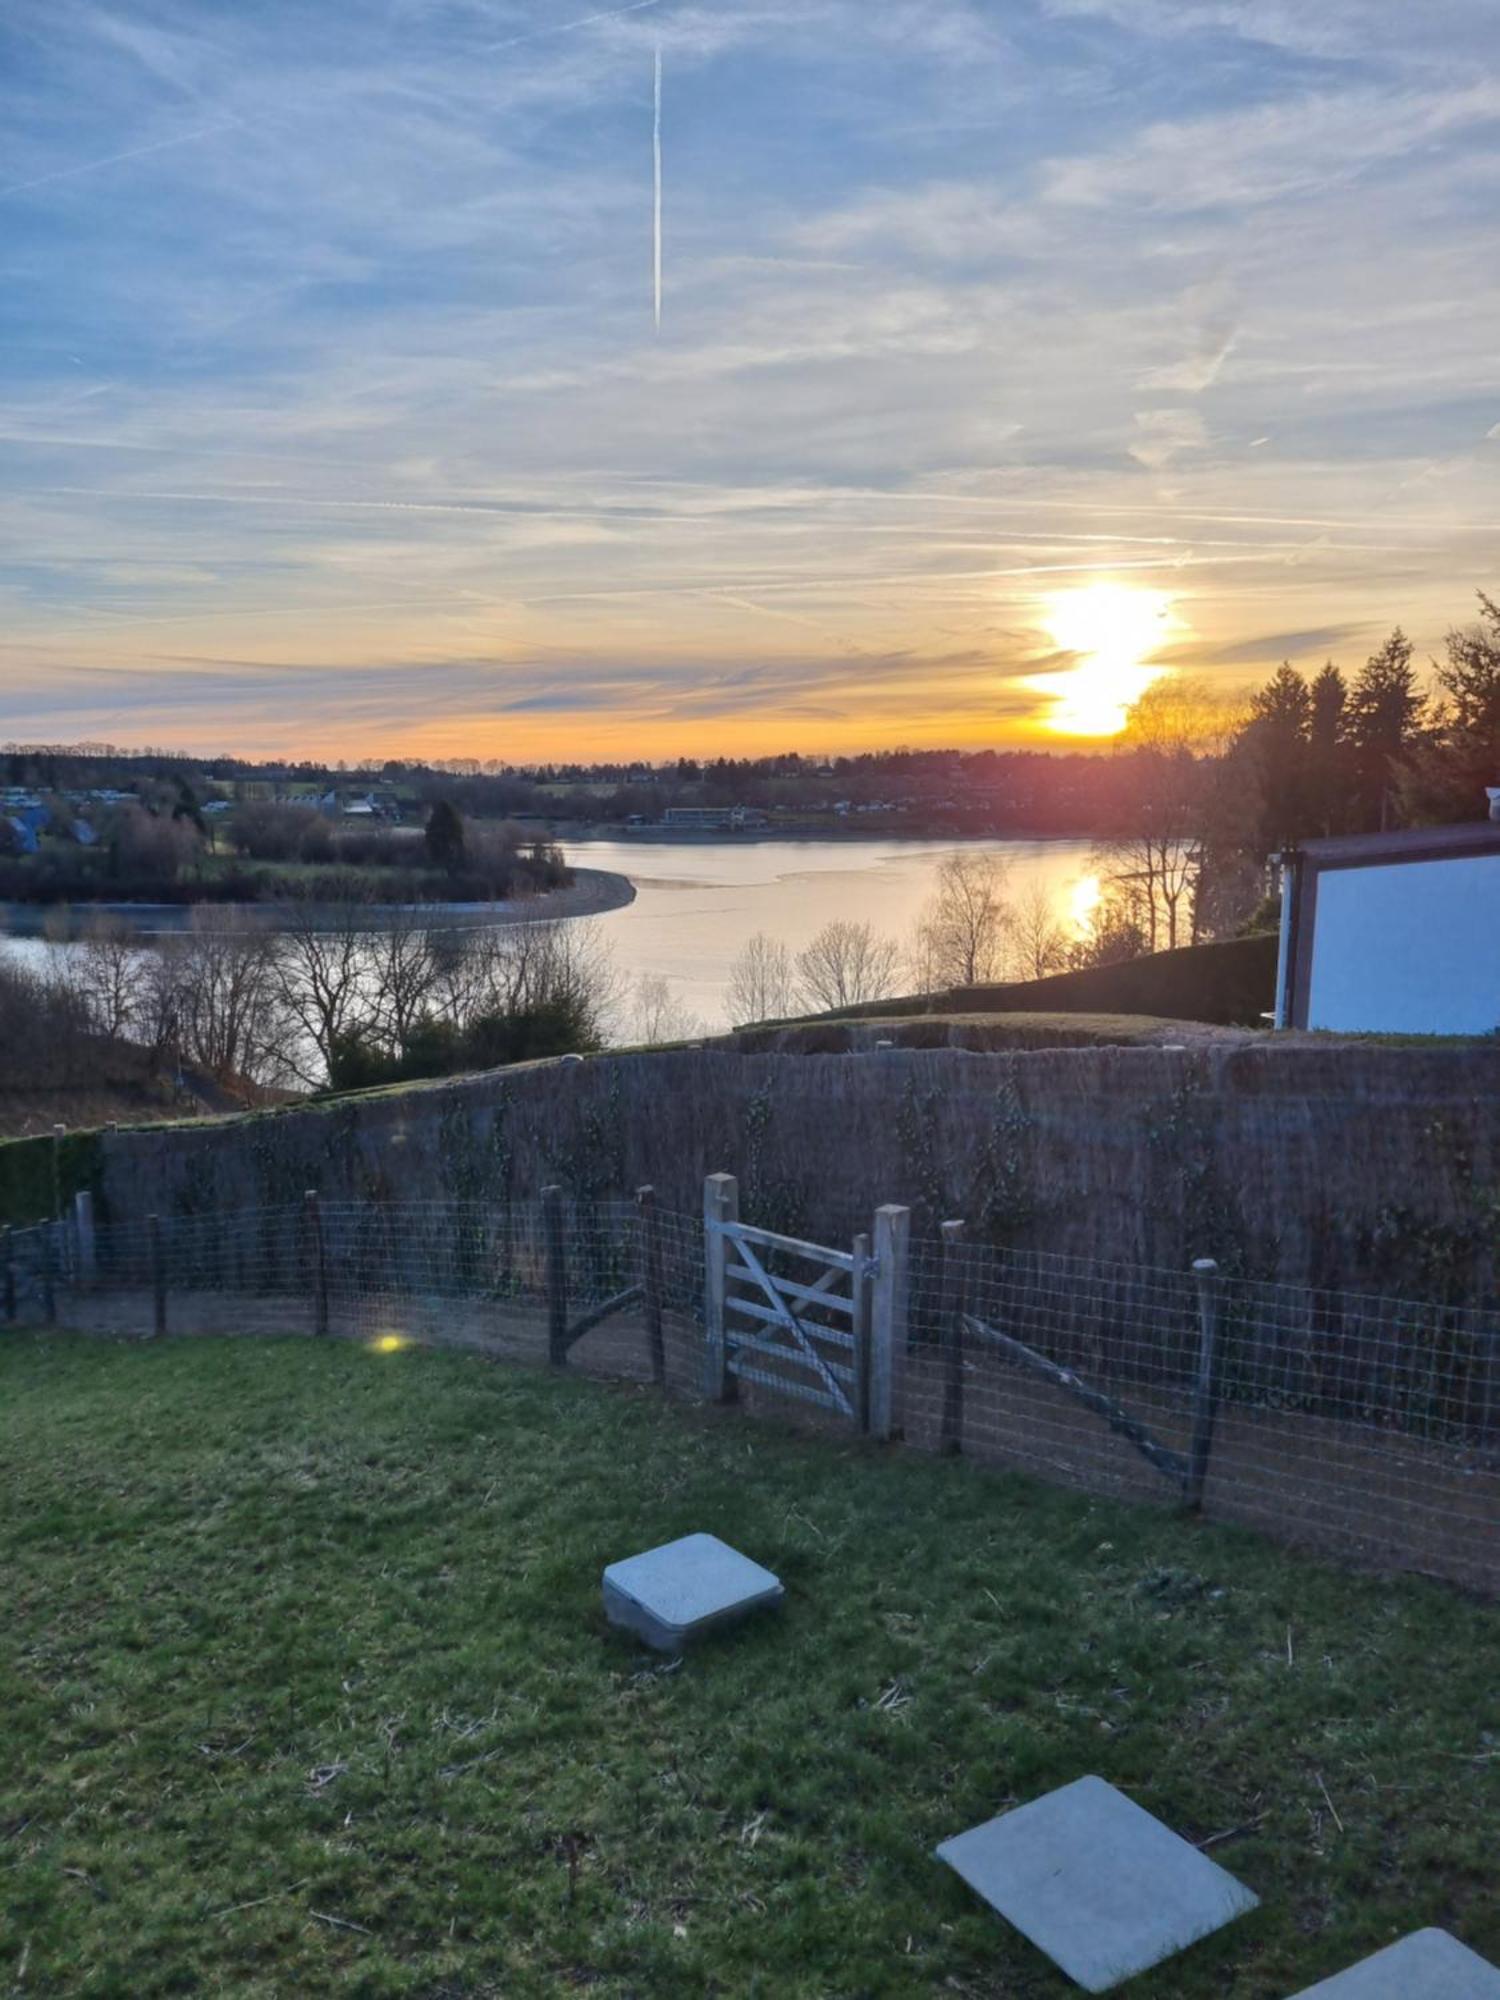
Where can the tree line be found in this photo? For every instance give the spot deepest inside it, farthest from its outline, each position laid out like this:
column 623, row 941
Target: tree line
column 1224, row 783
column 162, row 847
column 1350, row 756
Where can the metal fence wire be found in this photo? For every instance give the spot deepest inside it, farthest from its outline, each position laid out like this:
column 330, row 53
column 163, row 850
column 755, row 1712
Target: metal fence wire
column 1364, row 1425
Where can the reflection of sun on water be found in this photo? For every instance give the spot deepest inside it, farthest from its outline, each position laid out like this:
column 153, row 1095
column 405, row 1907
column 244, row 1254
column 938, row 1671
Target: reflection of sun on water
column 1113, row 628
column 1084, row 900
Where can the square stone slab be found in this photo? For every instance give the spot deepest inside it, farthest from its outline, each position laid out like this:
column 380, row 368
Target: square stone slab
column 1095, row 1882
column 673, row 1595
column 1428, row 1965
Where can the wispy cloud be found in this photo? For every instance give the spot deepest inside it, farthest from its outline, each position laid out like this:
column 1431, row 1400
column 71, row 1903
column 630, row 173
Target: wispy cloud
column 656, row 191
column 117, row 159
column 568, row 27
column 967, row 306
column 1297, row 147
column 1333, row 30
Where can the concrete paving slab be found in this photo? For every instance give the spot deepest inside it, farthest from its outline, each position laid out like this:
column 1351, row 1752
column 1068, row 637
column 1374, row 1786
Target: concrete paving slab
column 1428, row 1965
column 1095, row 1882
column 672, row 1595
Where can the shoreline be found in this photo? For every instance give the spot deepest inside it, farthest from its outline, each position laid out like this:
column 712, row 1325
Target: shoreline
column 635, row 836
column 593, row 893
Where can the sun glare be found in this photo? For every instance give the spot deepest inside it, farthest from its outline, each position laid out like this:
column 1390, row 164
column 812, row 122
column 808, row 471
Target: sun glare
column 388, row 1343
column 1083, row 902
column 1112, row 629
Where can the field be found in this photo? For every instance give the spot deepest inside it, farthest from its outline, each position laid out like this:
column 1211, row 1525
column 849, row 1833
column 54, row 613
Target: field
column 308, row 1690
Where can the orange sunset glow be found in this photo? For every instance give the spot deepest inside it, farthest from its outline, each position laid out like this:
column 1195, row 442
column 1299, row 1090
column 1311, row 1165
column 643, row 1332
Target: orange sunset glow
column 628, row 382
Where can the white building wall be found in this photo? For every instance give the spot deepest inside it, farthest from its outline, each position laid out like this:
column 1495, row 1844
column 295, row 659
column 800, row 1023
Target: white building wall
column 1409, row 948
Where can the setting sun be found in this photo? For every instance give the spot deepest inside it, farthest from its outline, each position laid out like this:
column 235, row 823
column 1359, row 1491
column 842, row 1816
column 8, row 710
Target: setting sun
column 1113, row 629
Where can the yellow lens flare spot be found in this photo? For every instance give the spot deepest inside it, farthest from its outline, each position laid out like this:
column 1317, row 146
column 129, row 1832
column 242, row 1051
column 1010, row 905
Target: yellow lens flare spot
column 389, row 1343
column 1112, row 629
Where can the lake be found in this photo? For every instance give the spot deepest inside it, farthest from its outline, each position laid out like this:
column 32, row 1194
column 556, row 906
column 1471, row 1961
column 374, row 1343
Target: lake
column 698, row 901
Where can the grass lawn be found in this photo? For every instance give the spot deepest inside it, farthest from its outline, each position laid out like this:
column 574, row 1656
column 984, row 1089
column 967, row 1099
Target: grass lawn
column 307, row 1689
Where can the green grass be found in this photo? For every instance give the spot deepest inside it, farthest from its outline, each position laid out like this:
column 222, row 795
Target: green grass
column 296, row 1629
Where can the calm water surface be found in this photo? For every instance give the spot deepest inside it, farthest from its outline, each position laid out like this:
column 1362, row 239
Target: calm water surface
column 698, row 901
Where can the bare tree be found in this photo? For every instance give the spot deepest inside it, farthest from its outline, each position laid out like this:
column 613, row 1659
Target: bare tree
column 962, row 934
column 1117, row 930
column 267, row 830
column 846, row 964
column 491, row 858
column 658, row 1015
column 404, row 964
column 1038, row 942
column 46, row 1037
column 154, row 846
column 323, row 981
column 1157, row 863
column 1178, row 732
column 523, row 968
column 106, row 970
column 761, row 981
column 216, row 998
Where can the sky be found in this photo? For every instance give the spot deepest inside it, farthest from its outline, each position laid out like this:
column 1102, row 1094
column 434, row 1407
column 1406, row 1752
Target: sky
column 1005, row 351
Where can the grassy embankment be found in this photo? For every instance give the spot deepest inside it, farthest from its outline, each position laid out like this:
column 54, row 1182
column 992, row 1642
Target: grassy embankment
column 308, row 1691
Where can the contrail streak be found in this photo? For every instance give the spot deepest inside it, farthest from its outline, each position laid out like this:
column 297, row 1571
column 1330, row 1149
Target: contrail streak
column 566, row 27
column 656, row 163
column 291, row 502
column 114, row 159
column 938, row 579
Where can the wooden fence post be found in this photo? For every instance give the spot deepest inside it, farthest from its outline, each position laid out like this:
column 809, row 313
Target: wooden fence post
column 49, row 1286
column 651, row 1286
column 84, row 1240
column 888, row 1316
column 8, row 1275
column 317, row 1263
column 859, row 1293
column 721, row 1204
column 951, row 1292
column 1487, row 1417
column 557, row 1276
column 1206, row 1386
column 158, row 1277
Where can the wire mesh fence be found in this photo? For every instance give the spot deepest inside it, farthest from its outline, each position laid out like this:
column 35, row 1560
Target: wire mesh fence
column 610, row 1286
column 1366, row 1425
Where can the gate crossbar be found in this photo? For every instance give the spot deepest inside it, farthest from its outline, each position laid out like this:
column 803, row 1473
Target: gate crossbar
column 803, row 1391
column 835, row 1335
column 750, row 1343
column 816, row 1294
column 746, row 1232
column 781, row 1314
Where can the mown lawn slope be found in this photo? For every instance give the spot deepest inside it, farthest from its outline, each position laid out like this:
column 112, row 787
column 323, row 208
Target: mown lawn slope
column 307, row 1690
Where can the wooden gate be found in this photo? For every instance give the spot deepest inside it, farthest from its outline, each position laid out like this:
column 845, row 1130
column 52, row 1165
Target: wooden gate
column 801, row 1319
